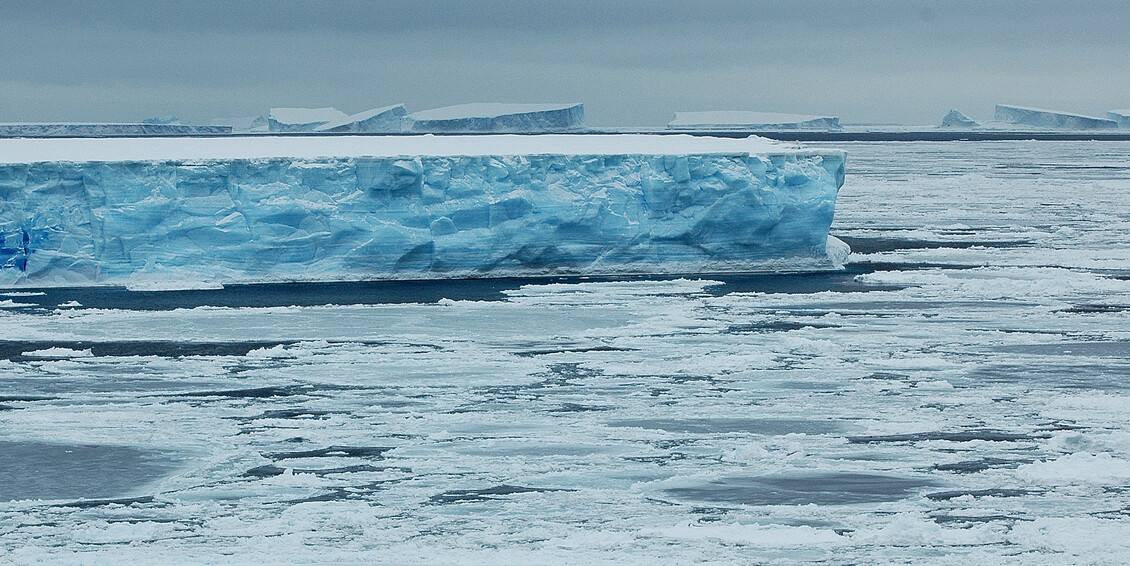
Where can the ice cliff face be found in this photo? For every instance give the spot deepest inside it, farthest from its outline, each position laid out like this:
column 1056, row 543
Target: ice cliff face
column 498, row 117
column 404, row 217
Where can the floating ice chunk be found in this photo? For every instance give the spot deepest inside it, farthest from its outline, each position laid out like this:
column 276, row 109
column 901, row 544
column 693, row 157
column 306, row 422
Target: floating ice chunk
column 302, row 119
column 737, row 119
column 58, row 354
column 496, row 117
column 1050, row 119
column 1078, row 468
column 377, row 120
column 1120, row 116
column 956, row 119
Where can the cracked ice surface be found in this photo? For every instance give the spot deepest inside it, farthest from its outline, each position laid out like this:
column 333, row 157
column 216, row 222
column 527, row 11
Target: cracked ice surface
column 957, row 395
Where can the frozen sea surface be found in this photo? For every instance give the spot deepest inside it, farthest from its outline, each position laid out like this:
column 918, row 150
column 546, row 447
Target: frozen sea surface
column 958, row 395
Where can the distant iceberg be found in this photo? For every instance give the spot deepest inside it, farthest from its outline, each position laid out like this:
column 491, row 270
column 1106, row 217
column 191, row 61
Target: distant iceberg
column 1120, row 116
column 955, row 119
column 302, row 119
column 244, row 124
column 191, row 212
column 499, row 118
column 1050, row 119
column 742, row 120
column 30, row 130
column 388, row 119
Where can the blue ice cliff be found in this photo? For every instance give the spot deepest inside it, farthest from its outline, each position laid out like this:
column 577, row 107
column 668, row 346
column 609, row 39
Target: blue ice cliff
column 187, row 211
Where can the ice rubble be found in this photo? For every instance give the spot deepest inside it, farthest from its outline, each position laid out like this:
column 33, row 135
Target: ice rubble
column 302, row 119
column 388, row 119
column 1120, row 116
column 32, row 130
column 955, row 119
column 499, row 117
column 721, row 120
column 79, row 212
column 1050, row 119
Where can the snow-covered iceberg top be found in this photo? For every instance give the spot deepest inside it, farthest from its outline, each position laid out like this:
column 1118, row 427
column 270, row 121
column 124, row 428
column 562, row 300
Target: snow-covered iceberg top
column 1120, row 116
column 499, row 117
column 1050, row 119
column 739, row 119
column 177, row 212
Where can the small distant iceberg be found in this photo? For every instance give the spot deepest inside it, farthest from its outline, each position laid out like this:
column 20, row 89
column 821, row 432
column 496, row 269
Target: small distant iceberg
column 1120, row 116
column 37, row 130
column 1050, row 119
column 743, row 120
column 302, row 119
column 388, row 119
column 499, row 118
column 956, row 119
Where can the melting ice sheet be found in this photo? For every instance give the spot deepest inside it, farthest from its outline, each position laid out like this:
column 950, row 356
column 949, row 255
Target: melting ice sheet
column 958, row 394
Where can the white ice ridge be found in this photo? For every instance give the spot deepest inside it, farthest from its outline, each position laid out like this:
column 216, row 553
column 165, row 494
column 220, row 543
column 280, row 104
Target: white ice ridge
column 499, row 117
column 177, row 210
column 1120, row 116
column 728, row 119
column 1050, row 119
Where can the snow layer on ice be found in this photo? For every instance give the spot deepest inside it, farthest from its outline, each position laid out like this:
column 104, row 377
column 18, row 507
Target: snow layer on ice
column 719, row 120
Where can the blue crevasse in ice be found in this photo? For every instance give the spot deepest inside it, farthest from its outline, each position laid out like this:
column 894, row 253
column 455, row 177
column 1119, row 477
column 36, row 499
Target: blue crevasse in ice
column 227, row 220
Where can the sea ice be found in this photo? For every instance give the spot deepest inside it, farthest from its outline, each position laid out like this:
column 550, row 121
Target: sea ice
column 724, row 120
column 1050, row 119
column 30, row 130
column 499, row 118
column 144, row 213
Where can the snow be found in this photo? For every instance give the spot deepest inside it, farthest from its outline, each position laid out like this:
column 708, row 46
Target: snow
column 377, row 120
column 165, row 216
column 301, row 119
column 1050, row 119
column 955, row 119
column 499, row 117
column 1120, row 116
column 720, row 120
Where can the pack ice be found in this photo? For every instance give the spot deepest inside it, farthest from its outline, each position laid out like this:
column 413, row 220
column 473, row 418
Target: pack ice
column 186, row 211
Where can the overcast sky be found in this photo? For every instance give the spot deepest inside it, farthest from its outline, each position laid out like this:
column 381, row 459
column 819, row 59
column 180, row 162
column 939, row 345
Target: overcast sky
column 631, row 63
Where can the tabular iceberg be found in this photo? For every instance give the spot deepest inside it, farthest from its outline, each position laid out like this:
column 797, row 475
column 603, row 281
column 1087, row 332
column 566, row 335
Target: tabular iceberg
column 107, row 130
column 1051, row 119
column 499, row 118
column 740, row 119
column 190, row 210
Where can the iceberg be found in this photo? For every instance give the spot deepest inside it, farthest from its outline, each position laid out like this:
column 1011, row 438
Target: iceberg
column 742, row 120
column 955, row 119
column 30, row 130
column 499, row 118
column 301, row 119
column 205, row 211
column 1120, row 116
column 1050, row 119
column 388, row 119
column 244, row 124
